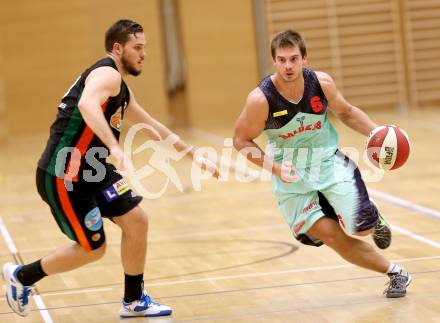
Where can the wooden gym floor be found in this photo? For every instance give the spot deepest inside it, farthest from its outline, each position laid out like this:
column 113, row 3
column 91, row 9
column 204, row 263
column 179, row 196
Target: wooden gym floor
column 224, row 254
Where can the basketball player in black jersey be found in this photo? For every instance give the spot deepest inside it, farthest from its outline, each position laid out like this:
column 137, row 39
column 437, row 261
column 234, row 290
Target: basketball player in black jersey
column 326, row 192
column 85, row 130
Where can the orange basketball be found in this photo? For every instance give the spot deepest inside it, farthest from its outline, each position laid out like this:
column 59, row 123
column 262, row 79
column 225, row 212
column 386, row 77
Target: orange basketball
column 388, row 147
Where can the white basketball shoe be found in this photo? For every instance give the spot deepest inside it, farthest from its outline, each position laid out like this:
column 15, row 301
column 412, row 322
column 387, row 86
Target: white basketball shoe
column 17, row 295
column 144, row 307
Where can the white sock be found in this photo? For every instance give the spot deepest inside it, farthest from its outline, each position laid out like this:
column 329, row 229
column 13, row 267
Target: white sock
column 394, row 269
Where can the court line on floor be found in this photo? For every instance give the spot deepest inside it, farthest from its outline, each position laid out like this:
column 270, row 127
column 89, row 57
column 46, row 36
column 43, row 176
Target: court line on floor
column 262, row 288
column 294, row 309
column 192, row 235
column 231, row 277
column 274, row 273
column 405, row 204
column 409, row 206
column 13, row 249
column 176, row 237
column 415, row 236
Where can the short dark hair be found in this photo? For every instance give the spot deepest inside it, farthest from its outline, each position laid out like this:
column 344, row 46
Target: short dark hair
column 288, row 38
column 120, row 31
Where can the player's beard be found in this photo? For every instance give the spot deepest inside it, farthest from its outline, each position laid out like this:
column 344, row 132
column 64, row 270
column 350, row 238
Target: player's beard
column 129, row 67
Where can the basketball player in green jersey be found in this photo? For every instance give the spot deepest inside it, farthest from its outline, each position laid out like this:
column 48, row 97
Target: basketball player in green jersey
column 88, row 124
column 320, row 191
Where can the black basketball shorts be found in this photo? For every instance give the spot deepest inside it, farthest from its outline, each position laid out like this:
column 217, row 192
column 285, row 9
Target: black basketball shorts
column 78, row 208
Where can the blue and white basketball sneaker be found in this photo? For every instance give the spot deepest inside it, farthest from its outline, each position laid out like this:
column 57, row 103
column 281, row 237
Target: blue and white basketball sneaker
column 143, row 307
column 17, row 295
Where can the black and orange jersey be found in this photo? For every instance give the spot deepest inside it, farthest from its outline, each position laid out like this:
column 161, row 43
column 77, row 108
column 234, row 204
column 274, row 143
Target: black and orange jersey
column 70, row 133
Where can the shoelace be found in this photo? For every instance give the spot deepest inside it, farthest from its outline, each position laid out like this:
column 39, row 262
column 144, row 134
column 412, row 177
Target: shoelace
column 24, row 297
column 398, row 281
column 147, row 299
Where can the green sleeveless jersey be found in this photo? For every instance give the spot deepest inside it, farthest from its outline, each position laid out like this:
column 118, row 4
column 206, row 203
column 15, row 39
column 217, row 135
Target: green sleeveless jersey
column 69, row 129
